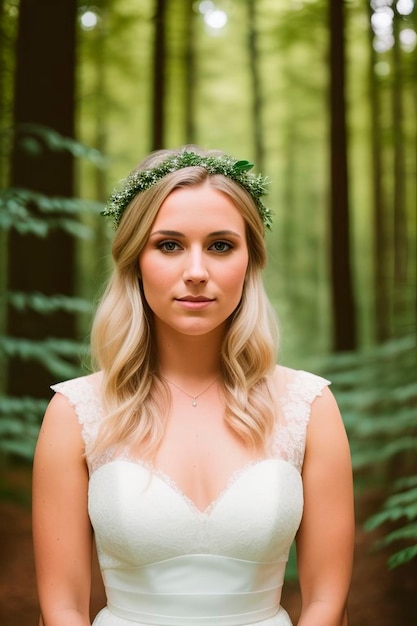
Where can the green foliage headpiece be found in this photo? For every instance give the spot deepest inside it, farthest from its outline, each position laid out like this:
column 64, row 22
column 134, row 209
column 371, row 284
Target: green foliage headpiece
column 141, row 180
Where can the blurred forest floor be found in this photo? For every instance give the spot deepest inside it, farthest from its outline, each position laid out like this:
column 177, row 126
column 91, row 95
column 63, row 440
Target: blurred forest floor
column 378, row 597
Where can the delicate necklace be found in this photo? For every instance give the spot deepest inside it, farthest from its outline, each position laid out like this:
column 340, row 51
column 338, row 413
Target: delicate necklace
column 193, row 398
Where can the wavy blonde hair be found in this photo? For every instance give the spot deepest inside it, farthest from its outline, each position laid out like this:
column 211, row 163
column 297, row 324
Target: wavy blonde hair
column 135, row 398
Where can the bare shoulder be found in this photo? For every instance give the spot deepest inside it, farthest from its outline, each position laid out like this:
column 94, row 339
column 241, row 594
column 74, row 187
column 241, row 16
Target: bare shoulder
column 306, row 385
column 327, row 443
column 60, row 435
column 69, row 391
column 325, row 413
column 61, row 431
column 315, row 402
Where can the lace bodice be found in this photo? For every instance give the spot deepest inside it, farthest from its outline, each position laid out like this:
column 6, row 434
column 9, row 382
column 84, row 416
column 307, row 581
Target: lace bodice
column 167, row 563
column 294, row 393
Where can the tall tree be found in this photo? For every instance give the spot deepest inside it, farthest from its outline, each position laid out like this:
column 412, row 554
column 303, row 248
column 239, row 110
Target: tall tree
column 380, row 221
column 44, row 97
column 256, row 85
column 101, row 119
column 190, row 74
column 3, row 152
column 159, row 78
column 344, row 315
column 3, row 39
column 399, row 199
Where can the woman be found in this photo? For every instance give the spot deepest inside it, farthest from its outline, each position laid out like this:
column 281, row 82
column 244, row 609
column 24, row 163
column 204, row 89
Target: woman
column 190, row 455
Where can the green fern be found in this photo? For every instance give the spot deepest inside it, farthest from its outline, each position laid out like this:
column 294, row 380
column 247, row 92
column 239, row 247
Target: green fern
column 45, row 305
column 377, row 393
column 30, row 212
column 19, row 425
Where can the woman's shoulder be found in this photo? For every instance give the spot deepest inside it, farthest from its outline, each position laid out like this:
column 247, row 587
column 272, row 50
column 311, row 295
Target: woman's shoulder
column 88, row 382
column 83, row 395
column 295, row 392
column 80, row 390
column 292, row 383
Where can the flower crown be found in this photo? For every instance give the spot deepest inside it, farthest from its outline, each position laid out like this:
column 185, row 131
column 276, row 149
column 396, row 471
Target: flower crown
column 140, row 180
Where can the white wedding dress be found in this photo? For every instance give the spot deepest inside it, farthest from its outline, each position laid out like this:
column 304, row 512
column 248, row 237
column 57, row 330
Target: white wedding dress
column 166, row 563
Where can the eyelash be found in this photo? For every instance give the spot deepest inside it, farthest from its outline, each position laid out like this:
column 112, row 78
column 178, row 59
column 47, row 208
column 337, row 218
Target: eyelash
column 223, row 243
column 162, row 245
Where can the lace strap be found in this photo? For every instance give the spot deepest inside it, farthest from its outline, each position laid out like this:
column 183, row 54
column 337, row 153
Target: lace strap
column 300, row 390
column 83, row 397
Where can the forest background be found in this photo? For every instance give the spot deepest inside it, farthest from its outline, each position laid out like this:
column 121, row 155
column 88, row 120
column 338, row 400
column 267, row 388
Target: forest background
column 322, row 97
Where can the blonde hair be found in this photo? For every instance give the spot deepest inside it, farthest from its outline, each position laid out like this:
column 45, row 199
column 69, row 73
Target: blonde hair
column 135, row 398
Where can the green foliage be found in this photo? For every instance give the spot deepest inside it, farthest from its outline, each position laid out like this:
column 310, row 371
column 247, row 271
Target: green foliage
column 52, row 353
column 19, row 425
column 37, row 137
column 17, row 211
column 27, row 211
column 377, row 392
column 397, row 508
column 48, row 304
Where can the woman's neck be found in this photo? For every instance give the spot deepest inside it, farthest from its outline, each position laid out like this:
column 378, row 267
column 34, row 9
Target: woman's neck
column 189, row 357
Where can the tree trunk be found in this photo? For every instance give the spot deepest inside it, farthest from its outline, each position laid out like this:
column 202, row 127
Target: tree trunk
column 415, row 206
column 44, row 95
column 256, row 86
column 400, row 217
column 159, row 83
column 3, row 153
column 101, row 123
column 344, row 315
column 190, row 74
column 3, row 101
column 288, row 230
column 382, row 308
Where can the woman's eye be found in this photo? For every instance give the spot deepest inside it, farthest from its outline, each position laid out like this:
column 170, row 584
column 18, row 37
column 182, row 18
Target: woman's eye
column 168, row 246
column 221, row 246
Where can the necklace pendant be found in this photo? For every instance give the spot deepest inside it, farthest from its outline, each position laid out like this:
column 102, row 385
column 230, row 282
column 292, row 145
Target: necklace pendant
column 193, row 398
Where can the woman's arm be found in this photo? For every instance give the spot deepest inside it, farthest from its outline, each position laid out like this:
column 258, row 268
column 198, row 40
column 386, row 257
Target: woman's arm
column 325, row 539
column 61, row 527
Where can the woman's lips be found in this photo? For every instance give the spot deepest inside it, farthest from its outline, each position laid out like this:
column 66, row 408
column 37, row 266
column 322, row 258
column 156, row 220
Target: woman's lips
column 194, row 303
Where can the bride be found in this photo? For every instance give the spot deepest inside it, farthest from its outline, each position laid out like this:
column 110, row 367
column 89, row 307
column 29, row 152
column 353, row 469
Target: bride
column 189, row 457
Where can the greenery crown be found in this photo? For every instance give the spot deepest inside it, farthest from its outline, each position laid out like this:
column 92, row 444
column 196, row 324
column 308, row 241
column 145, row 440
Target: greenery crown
column 141, row 180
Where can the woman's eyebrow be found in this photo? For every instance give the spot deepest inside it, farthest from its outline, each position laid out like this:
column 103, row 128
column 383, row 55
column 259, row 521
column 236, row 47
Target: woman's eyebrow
column 176, row 233
column 167, row 233
column 224, row 233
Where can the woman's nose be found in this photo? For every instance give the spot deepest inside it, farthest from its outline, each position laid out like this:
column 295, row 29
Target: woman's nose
column 195, row 269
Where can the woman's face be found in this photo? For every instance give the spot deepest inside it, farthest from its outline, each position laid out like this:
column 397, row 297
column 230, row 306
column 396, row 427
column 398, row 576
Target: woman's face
column 194, row 263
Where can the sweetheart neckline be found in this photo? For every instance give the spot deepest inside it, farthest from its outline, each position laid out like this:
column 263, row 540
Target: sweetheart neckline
column 169, row 482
